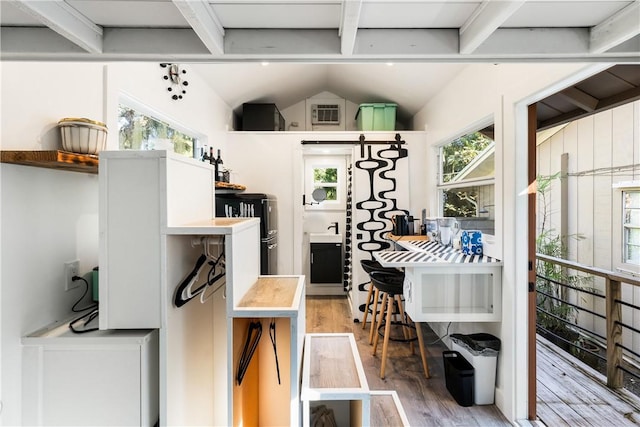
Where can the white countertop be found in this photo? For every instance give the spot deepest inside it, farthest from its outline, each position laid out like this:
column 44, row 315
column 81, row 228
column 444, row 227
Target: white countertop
column 420, row 253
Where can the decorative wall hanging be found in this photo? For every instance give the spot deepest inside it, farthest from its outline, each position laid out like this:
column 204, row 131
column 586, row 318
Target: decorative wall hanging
column 174, row 75
column 377, row 210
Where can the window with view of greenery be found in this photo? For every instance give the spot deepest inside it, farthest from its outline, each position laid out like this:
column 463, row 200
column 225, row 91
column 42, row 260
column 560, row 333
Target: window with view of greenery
column 631, row 227
column 327, row 178
column 467, row 170
column 137, row 131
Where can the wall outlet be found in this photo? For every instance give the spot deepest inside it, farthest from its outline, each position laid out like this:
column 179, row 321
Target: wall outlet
column 71, row 269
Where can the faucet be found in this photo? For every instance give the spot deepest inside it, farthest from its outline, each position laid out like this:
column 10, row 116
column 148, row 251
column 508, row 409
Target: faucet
column 335, row 225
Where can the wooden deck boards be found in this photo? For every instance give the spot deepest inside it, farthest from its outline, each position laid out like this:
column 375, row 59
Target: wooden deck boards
column 569, row 392
column 572, row 394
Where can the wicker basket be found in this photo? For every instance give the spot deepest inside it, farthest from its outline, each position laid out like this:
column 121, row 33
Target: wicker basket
column 82, row 136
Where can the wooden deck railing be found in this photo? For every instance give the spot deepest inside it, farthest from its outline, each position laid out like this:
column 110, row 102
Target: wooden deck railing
column 613, row 313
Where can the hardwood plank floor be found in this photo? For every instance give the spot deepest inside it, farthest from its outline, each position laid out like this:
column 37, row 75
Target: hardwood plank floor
column 427, row 402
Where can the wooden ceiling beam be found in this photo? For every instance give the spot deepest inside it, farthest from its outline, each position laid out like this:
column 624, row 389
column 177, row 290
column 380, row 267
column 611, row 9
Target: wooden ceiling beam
column 579, row 98
column 349, row 22
column 487, row 18
column 59, row 16
column 604, row 104
column 616, row 30
column 200, row 15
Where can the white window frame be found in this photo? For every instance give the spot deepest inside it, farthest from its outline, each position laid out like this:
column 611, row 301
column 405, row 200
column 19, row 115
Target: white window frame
column 200, row 139
column 315, row 162
column 468, row 183
column 626, row 226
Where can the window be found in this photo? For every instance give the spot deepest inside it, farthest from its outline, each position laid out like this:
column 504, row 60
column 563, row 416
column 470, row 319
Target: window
column 631, row 227
column 466, row 180
column 327, row 179
column 328, row 173
column 139, row 131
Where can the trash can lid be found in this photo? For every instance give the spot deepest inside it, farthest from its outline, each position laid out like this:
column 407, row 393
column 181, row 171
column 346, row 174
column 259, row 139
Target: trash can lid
column 478, row 342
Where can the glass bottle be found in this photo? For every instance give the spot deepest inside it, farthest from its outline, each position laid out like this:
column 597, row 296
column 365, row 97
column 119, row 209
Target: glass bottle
column 218, row 166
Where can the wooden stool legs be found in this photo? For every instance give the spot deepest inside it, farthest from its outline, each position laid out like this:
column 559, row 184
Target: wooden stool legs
column 387, row 308
column 423, row 353
column 372, row 329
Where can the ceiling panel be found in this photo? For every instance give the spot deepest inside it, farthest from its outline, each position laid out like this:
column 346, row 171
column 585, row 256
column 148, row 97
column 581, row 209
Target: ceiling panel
column 129, row 13
column 12, row 16
column 564, row 13
column 606, row 84
column 416, row 15
column 280, row 15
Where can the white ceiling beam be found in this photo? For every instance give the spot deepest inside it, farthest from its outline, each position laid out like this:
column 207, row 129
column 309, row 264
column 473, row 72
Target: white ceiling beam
column 489, row 16
column 580, row 99
column 200, row 15
column 616, row 30
column 383, row 45
column 349, row 25
column 66, row 21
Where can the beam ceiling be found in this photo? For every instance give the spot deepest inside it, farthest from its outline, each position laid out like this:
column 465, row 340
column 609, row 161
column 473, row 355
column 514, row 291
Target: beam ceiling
column 321, row 30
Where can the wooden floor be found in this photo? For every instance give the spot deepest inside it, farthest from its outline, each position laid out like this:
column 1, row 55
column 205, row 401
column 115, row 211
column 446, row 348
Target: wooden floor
column 570, row 393
column 427, row 402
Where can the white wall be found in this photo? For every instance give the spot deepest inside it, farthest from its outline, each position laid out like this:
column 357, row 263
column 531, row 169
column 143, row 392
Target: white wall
column 50, row 217
column 497, row 91
column 271, row 162
column 301, row 113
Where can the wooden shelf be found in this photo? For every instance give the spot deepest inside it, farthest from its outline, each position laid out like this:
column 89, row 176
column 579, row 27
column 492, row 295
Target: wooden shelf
column 54, row 159
column 228, row 186
column 272, row 292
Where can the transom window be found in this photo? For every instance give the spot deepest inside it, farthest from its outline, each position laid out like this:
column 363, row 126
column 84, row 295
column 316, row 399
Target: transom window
column 139, row 131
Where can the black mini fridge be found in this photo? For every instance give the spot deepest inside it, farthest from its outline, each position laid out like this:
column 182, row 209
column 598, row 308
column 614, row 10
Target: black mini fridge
column 259, row 205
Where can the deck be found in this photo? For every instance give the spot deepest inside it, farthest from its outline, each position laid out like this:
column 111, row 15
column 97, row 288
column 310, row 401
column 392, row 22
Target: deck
column 569, row 392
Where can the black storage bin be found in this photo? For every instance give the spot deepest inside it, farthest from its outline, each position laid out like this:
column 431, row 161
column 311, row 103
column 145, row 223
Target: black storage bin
column 459, row 377
column 259, row 117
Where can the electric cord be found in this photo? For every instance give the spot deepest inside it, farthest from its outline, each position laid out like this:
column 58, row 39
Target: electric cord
column 442, row 337
column 88, row 316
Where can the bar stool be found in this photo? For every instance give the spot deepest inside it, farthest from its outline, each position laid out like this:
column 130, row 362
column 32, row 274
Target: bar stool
column 390, row 285
column 368, row 266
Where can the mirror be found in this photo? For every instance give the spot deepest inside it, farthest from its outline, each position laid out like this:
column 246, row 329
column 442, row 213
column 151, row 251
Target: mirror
column 319, row 195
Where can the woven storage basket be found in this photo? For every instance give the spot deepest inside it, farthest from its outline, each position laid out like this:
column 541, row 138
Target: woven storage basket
column 82, row 136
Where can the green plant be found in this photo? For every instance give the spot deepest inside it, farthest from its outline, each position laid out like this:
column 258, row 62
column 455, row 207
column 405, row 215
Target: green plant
column 555, row 314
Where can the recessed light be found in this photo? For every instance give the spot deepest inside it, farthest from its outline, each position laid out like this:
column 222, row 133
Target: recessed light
column 264, row 63
column 389, row 64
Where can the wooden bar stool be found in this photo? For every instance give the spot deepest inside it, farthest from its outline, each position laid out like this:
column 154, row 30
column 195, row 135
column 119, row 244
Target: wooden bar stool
column 368, row 266
column 390, row 286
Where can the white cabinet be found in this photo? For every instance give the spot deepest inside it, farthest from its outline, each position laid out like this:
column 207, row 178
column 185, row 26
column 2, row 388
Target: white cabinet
column 453, row 293
column 141, row 194
column 444, row 285
column 154, row 209
column 269, row 393
column 100, row 378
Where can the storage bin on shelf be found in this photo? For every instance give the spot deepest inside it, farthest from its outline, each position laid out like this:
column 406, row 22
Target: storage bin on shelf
column 379, row 116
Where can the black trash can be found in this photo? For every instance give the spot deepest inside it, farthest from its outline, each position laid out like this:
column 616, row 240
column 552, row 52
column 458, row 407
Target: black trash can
column 481, row 350
column 458, row 377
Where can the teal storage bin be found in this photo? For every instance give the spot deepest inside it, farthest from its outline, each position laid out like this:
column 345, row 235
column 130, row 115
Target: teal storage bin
column 379, row 116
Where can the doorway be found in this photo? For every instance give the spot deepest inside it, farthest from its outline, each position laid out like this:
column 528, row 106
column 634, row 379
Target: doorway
column 325, row 221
